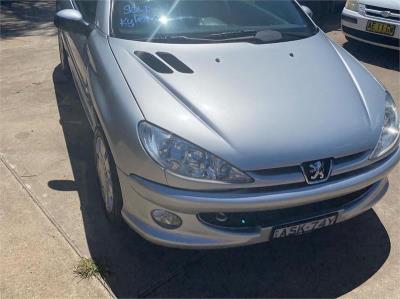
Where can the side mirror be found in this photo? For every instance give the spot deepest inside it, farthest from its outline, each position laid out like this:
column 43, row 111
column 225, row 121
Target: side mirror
column 71, row 20
column 307, row 10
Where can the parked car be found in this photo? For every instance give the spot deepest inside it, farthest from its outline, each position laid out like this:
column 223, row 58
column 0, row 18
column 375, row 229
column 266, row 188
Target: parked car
column 226, row 123
column 375, row 22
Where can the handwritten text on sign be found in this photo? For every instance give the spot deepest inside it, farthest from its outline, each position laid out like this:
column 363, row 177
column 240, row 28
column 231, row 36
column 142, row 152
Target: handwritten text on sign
column 134, row 15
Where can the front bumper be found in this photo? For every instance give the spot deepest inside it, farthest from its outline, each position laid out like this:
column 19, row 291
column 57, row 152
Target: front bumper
column 354, row 25
column 142, row 196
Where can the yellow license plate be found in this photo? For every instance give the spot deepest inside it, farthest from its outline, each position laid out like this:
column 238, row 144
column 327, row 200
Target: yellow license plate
column 382, row 28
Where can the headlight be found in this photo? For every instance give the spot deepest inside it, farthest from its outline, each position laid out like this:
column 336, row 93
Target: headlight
column 185, row 158
column 390, row 131
column 352, row 5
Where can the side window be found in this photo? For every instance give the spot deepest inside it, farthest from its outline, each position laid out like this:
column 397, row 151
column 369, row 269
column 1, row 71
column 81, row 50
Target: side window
column 88, row 9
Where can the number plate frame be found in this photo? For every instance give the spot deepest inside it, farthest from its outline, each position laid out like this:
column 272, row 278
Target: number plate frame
column 302, row 227
column 381, row 28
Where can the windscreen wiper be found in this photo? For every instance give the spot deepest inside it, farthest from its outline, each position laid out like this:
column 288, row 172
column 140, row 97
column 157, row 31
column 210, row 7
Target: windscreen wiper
column 211, row 37
column 261, row 36
column 190, row 39
column 232, row 34
column 176, row 39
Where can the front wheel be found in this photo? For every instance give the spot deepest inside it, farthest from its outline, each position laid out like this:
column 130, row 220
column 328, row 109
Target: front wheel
column 108, row 178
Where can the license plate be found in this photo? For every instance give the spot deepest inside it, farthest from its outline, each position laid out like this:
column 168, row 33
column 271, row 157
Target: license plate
column 382, row 28
column 300, row 228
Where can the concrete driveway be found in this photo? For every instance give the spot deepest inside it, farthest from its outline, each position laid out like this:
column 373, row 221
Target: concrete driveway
column 46, row 146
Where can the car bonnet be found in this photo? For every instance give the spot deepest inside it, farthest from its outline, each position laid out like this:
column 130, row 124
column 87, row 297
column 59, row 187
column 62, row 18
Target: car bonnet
column 257, row 106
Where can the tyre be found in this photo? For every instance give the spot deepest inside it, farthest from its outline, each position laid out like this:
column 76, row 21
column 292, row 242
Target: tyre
column 63, row 56
column 108, row 178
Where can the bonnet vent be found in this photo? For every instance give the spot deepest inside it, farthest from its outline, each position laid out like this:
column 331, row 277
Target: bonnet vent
column 153, row 62
column 175, row 62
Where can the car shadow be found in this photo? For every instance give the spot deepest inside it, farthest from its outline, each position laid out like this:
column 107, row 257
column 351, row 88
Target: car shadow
column 327, row 263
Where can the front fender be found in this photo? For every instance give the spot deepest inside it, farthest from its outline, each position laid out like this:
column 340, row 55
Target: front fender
column 117, row 111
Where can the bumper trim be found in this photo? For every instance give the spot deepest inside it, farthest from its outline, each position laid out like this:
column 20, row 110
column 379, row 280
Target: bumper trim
column 371, row 37
column 201, row 236
column 242, row 221
column 349, row 19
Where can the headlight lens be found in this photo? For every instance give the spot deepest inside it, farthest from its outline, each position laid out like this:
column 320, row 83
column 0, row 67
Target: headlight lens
column 352, row 5
column 185, row 158
column 390, row 131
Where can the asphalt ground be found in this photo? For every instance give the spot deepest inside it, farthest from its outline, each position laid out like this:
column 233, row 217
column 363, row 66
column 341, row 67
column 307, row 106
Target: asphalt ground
column 46, row 150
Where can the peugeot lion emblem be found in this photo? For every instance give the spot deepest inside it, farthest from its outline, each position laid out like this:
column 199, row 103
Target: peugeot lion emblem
column 317, row 171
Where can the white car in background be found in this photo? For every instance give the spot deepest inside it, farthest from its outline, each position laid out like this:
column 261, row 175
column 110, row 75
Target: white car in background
column 375, row 22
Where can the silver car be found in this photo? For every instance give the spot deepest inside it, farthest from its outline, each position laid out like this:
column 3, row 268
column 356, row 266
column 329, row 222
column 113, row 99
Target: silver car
column 226, row 123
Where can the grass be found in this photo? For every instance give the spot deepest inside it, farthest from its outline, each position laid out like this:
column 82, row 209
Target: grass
column 88, row 268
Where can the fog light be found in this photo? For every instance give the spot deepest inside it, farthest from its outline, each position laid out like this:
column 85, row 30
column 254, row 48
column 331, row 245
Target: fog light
column 166, row 219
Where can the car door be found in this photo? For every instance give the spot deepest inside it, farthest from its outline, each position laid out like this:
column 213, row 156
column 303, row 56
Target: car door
column 79, row 41
column 77, row 45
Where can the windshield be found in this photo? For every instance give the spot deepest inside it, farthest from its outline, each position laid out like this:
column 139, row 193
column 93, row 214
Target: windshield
column 209, row 21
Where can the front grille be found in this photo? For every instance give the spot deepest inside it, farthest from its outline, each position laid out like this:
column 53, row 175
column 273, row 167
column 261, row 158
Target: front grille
column 378, row 12
column 395, row 11
column 249, row 221
column 276, row 179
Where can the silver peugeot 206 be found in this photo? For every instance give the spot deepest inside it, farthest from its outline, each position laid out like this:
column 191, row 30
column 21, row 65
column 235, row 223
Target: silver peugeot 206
column 226, row 123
